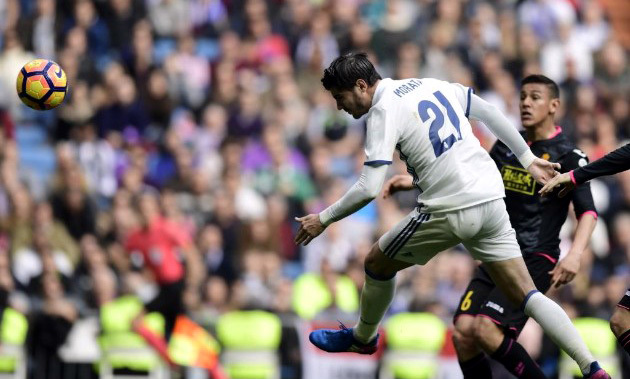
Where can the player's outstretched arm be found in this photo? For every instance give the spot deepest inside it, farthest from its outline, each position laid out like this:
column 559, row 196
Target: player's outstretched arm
column 359, row 195
column 557, row 181
column 612, row 163
column 501, row 127
column 400, row 182
column 543, row 170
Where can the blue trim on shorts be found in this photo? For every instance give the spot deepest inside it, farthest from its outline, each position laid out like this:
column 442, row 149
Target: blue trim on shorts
column 530, row 294
column 470, row 92
column 378, row 277
column 401, row 239
column 377, row 163
column 395, row 240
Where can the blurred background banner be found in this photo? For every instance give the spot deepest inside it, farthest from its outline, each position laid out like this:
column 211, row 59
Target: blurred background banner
column 319, row 364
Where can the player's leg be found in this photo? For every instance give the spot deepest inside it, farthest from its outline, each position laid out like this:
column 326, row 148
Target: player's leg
column 495, row 244
column 378, row 292
column 499, row 323
column 495, row 333
column 157, row 342
column 620, row 322
column 376, row 296
column 414, row 240
column 168, row 302
column 472, row 360
column 512, row 276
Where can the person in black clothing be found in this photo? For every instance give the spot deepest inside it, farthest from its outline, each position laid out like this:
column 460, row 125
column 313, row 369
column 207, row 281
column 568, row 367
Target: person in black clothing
column 485, row 320
column 614, row 162
column 537, row 221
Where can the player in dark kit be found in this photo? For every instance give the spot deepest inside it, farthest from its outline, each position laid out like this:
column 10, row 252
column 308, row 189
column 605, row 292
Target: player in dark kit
column 614, row 162
column 537, row 221
column 486, row 323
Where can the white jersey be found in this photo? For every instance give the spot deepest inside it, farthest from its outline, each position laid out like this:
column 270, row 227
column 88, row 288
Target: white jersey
column 426, row 120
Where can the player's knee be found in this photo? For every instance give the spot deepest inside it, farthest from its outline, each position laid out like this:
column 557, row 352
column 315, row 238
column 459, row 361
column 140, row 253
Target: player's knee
column 486, row 333
column 377, row 266
column 620, row 321
column 463, row 334
column 371, row 263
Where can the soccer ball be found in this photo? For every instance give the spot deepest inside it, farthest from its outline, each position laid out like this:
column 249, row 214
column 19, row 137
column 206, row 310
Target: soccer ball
column 42, row 84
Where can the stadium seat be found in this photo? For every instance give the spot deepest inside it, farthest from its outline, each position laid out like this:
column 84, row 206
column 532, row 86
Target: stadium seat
column 208, row 48
column 35, row 153
column 250, row 341
column 162, row 48
column 413, row 342
column 13, row 335
column 121, row 347
column 27, row 134
column 311, row 295
column 600, row 341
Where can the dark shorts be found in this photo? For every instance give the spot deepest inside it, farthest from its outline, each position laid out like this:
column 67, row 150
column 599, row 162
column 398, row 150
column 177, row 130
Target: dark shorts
column 483, row 298
column 625, row 301
column 169, row 302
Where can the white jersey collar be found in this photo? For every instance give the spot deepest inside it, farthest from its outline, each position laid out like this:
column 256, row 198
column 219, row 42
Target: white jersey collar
column 380, row 88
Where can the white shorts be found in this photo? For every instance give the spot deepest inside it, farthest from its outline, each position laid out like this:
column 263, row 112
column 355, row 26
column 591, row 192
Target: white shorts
column 484, row 229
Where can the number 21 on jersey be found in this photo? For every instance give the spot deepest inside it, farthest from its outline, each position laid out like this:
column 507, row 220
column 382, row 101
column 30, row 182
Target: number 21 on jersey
column 442, row 135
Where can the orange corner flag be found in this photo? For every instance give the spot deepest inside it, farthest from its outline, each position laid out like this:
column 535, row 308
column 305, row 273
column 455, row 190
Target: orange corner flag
column 192, row 345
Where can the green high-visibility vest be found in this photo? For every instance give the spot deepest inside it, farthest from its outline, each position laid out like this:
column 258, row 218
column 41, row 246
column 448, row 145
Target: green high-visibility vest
column 116, row 319
column 601, row 342
column 311, row 295
column 248, row 333
column 13, row 332
column 413, row 341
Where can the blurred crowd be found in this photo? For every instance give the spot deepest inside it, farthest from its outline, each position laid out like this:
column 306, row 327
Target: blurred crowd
column 211, row 114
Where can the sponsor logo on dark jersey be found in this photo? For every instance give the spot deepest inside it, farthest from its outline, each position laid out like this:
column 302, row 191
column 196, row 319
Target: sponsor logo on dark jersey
column 518, row 180
column 495, row 306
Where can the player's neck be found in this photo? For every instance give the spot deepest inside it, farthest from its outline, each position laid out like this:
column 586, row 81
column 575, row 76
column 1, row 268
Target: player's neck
column 372, row 90
column 544, row 131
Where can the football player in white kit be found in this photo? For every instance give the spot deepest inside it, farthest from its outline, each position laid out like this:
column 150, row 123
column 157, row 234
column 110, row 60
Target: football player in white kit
column 426, row 120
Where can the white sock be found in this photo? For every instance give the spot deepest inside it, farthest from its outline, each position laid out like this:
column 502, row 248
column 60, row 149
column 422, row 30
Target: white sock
column 559, row 328
column 375, row 299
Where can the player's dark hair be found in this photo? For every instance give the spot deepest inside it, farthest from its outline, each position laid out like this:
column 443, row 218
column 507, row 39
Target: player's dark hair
column 554, row 91
column 343, row 72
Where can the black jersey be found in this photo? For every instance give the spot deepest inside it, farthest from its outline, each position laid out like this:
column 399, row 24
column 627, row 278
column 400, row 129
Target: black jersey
column 537, row 220
column 612, row 163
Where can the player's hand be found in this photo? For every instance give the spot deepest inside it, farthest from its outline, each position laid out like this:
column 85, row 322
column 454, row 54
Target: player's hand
column 397, row 183
column 565, row 270
column 310, row 227
column 542, row 171
column 559, row 180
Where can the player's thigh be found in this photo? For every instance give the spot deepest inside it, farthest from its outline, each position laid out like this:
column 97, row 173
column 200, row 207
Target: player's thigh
column 508, row 316
column 512, row 277
column 473, row 298
column 539, row 267
column 487, row 233
column 464, row 319
column 418, row 237
column 495, row 244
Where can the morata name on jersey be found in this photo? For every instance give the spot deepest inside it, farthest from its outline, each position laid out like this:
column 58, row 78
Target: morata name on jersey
column 408, row 87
